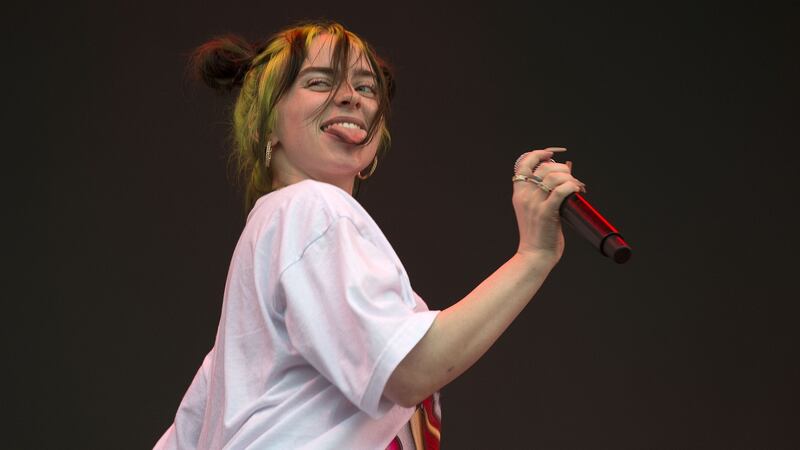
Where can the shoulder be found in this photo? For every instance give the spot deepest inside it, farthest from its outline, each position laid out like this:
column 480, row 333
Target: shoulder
column 302, row 212
column 309, row 198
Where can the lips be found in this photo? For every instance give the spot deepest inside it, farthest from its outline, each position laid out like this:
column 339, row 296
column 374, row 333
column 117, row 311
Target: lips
column 347, row 129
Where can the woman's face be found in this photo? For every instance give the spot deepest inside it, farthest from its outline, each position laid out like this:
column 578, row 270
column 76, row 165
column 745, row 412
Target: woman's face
column 325, row 147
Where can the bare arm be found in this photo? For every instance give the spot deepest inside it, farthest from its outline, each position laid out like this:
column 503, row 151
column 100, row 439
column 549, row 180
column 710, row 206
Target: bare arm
column 462, row 333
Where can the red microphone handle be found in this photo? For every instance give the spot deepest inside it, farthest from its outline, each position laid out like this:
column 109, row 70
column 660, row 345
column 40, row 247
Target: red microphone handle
column 590, row 224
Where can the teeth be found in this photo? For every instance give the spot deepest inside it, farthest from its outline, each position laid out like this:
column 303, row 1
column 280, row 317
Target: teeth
column 344, row 124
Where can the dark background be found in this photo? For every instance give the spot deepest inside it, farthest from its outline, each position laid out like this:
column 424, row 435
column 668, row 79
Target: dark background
column 682, row 120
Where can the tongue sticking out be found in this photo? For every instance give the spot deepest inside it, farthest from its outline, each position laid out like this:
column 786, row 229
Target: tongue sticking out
column 347, row 134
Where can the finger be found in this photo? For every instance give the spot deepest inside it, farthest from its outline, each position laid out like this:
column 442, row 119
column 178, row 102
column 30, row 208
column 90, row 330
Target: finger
column 531, row 159
column 550, row 167
column 554, row 179
column 561, row 192
column 546, row 167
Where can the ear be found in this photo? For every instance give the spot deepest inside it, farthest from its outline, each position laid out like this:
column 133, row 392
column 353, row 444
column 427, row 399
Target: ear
column 274, row 139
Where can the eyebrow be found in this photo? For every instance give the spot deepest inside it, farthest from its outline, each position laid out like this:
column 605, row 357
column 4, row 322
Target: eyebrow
column 329, row 71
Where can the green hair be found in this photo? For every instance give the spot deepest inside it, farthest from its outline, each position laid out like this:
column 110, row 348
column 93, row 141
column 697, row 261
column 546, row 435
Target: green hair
column 264, row 74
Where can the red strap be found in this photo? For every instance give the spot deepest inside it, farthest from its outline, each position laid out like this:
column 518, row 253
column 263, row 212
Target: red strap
column 431, row 424
column 425, row 426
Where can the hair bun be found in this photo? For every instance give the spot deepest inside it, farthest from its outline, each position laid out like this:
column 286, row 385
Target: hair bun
column 223, row 61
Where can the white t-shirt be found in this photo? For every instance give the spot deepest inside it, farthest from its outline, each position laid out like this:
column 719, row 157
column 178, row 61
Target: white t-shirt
column 318, row 312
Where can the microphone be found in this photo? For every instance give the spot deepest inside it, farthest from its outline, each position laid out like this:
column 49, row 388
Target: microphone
column 585, row 220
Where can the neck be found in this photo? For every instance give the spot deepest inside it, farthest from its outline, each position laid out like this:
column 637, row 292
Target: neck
column 279, row 182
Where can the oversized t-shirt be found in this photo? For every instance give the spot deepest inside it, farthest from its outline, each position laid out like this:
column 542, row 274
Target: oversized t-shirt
column 317, row 314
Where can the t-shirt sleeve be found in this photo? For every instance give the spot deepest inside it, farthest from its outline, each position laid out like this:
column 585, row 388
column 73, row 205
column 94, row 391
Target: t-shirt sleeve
column 349, row 310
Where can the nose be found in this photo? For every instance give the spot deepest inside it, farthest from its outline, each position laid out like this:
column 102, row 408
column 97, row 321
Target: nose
column 346, row 96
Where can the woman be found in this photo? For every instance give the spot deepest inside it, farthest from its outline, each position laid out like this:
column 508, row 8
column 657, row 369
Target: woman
column 322, row 343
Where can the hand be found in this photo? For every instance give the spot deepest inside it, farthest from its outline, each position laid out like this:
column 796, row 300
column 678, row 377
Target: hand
column 537, row 209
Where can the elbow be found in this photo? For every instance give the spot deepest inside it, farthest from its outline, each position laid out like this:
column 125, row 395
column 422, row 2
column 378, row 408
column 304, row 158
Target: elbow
column 405, row 389
column 406, row 399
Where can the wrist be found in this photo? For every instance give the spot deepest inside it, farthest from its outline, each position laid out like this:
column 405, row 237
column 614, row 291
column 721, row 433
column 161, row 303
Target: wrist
column 538, row 258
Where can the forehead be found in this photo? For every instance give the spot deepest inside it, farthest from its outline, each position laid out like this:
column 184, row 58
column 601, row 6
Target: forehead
column 320, row 53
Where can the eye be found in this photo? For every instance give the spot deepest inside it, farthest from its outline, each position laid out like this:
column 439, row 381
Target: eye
column 319, row 84
column 367, row 89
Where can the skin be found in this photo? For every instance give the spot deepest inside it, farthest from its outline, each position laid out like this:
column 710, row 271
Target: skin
column 301, row 150
column 462, row 333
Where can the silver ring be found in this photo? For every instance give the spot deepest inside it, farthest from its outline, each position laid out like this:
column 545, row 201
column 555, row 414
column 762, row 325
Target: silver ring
column 516, row 163
column 519, row 159
column 533, row 179
column 551, row 160
column 518, row 177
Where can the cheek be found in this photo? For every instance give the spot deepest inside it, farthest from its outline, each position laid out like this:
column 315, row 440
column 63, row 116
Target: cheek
column 372, row 108
column 293, row 124
column 373, row 146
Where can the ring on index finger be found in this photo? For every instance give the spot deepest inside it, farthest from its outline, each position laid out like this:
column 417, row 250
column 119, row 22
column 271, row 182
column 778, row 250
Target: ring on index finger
column 532, row 179
column 518, row 177
column 516, row 163
column 519, row 160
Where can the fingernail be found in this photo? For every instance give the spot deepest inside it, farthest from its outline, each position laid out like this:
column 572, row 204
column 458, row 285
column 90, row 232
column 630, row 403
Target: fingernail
column 556, row 149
